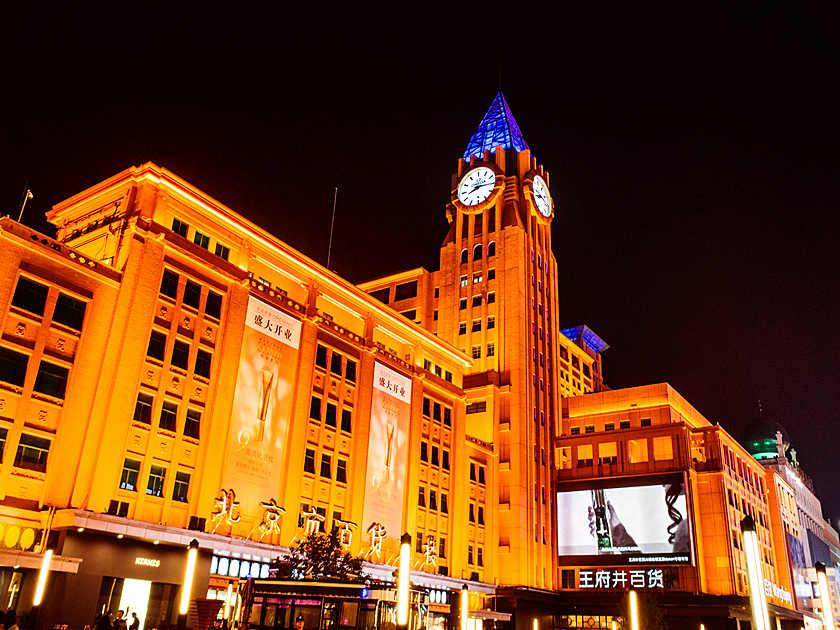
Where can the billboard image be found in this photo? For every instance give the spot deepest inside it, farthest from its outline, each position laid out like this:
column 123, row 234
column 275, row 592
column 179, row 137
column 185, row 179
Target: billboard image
column 262, row 401
column 386, row 465
column 625, row 524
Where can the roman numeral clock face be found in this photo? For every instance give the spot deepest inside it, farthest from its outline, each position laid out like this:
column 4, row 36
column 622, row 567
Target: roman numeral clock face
column 476, row 186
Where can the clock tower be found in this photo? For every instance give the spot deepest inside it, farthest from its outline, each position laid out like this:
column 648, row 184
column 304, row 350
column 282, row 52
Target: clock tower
column 498, row 303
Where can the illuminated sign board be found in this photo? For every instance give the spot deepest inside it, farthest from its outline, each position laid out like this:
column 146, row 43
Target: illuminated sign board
column 146, row 562
column 621, row 578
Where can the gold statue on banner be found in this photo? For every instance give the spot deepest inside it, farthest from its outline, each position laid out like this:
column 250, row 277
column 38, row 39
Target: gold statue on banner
column 270, row 522
column 226, row 510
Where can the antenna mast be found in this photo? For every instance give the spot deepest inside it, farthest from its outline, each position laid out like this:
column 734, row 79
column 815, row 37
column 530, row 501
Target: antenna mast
column 332, row 224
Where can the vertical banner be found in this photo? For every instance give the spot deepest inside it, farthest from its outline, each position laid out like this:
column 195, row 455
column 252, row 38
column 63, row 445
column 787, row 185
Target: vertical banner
column 390, row 416
column 261, row 406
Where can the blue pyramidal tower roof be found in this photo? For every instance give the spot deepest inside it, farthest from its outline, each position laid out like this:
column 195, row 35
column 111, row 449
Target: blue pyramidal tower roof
column 497, row 128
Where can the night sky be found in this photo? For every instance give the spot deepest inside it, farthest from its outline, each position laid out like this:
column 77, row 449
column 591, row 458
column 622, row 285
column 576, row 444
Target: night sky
column 693, row 156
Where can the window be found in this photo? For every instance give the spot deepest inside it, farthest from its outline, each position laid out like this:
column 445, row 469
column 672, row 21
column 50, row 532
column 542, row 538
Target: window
column 624, row 424
column 462, row 304
column 309, row 461
column 445, row 459
column 321, row 357
column 481, row 515
column 350, row 370
column 383, row 295
column 481, row 478
column 157, row 343
column 168, row 415
column 346, row 420
column 169, row 284
column 180, row 354
column 180, row 228
column 405, row 291
column 421, row 497
column 424, row 451
column 447, row 416
column 435, row 456
column 69, row 311
column 326, row 466
column 202, row 240
column 637, row 451
column 182, row 486
column 436, row 411
column 13, row 366
column 192, row 425
column 480, row 557
column 472, row 471
column 589, row 428
column 462, row 328
column 477, row 252
column 30, row 296
column 3, row 435
column 213, row 307
column 574, row 431
column 192, row 294
column 435, row 315
column 476, row 301
column 491, row 298
column 663, row 448
column 156, row 477
column 222, row 251
column 330, row 417
column 609, row 426
column 202, row 363
column 51, row 379
column 32, row 452
column 608, row 453
column 476, row 325
column 472, row 512
column 567, row 578
column 418, row 542
column 478, row 224
column 432, row 500
column 315, row 408
column 584, row 455
column 130, row 472
column 491, row 249
column 491, row 274
column 444, row 503
column 427, row 407
column 143, row 408
column 477, row 407
column 341, row 470
column 335, row 364
column 464, row 254
column 478, row 277
column 464, row 281
column 442, row 549
column 645, row 422
column 491, row 349
column 476, row 352
column 437, row 292
column 448, row 376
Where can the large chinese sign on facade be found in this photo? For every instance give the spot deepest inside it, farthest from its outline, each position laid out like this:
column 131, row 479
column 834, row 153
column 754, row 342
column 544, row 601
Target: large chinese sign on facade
column 261, row 406
column 386, row 463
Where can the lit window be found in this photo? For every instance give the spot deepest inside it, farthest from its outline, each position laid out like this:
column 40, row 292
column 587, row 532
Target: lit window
column 477, row 277
column 637, row 451
column 464, row 281
column 182, row 486
column 130, row 472
column 663, row 448
column 157, row 474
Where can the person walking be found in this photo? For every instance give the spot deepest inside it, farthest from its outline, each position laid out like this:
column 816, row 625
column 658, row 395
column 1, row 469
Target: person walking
column 135, row 622
column 119, row 622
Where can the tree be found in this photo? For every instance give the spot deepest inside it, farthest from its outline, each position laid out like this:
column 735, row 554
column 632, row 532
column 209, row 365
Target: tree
column 318, row 556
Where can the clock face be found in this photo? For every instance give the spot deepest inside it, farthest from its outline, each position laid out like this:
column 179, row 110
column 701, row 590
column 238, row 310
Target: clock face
column 541, row 196
column 476, row 186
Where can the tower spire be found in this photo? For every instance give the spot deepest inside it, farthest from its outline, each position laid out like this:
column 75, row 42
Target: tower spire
column 498, row 127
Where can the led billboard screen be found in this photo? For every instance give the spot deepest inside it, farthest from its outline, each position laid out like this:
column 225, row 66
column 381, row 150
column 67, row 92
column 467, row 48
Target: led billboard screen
column 625, row 525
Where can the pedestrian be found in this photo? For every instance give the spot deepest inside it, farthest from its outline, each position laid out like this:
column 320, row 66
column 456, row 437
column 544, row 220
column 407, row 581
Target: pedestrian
column 135, row 622
column 299, row 623
column 119, row 622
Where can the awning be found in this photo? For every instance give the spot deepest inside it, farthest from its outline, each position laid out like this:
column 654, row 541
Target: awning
column 30, row 560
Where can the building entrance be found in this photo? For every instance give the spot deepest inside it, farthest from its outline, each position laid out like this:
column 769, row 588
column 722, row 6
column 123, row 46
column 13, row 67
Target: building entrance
column 135, row 599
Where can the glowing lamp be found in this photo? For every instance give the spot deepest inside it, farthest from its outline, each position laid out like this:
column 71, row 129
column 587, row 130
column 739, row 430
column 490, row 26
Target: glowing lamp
column 634, row 611
column 536, row 624
column 229, row 600
column 189, row 575
column 825, row 596
column 402, row 580
column 465, row 607
column 41, row 584
column 758, row 603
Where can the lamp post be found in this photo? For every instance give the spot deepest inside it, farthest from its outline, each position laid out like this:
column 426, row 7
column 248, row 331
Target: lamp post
column 402, row 581
column 186, row 589
column 465, row 607
column 825, row 596
column 634, row 610
column 758, row 603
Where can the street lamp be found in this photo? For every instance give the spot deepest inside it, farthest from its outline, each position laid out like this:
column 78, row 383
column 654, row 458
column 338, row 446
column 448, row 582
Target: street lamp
column 825, row 596
column 402, row 581
column 41, row 584
column 465, row 607
column 758, row 603
column 634, row 611
column 186, row 589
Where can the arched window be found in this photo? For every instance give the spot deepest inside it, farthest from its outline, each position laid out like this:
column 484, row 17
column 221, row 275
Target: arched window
column 491, row 249
column 477, row 252
column 464, row 256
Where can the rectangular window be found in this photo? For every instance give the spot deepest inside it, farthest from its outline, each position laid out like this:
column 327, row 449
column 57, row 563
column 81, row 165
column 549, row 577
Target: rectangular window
column 491, row 323
column 462, row 328
column 350, row 370
column 330, row 417
column 574, row 431
column 315, row 408
column 326, row 466
column 432, row 500
column 567, row 578
column 335, row 364
column 477, row 407
column 427, row 365
column 637, row 451
column 157, row 344
column 169, row 284
column 472, row 471
column 421, row 497
column 480, row 557
column 437, row 292
column 346, row 420
column 30, row 296
column 213, row 307
column 663, row 448
column 444, row 503
column 192, row 425
column 444, row 459
column 51, row 379
column 3, row 435
column 476, row 325
column 427, row 407
column 130, row 472
column 32, row 452
column 202, row 363
column 341, row 470
column 222, row 251
column 436, row 411
column 645, row 422
column 69, row 311
column 180, row 354
column 192, row 294
column 609, row 426
column 180, row 228
column 418, row 542
column 447, row 416
column 442, row 548
column 478, row 277
column 13, row 366
column 491, row 298
column 202, row 240
column 624, row 424
column 464, row 281
column 321, row 357
column 589, row 428
column 405, row 291
column 476, row 301
column 309, row 461
column 491, row 349
column 491, row 274
column 448, row 376
column 472, row 513
column 462, row 304
column 435, row 456
column 182, row 486
column 476, row 352
column 435, row 316
column 168, row 415
column 424, row 451
column 412, row 314
column 383, row 295
column 157, row 475
column 481, row 515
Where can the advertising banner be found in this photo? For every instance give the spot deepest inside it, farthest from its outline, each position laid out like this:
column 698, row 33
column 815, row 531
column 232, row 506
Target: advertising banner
column 261, row 406
column 390, row 415
column 625, row 525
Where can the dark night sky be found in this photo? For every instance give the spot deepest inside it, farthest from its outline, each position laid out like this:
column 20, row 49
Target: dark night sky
column 693, row 158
